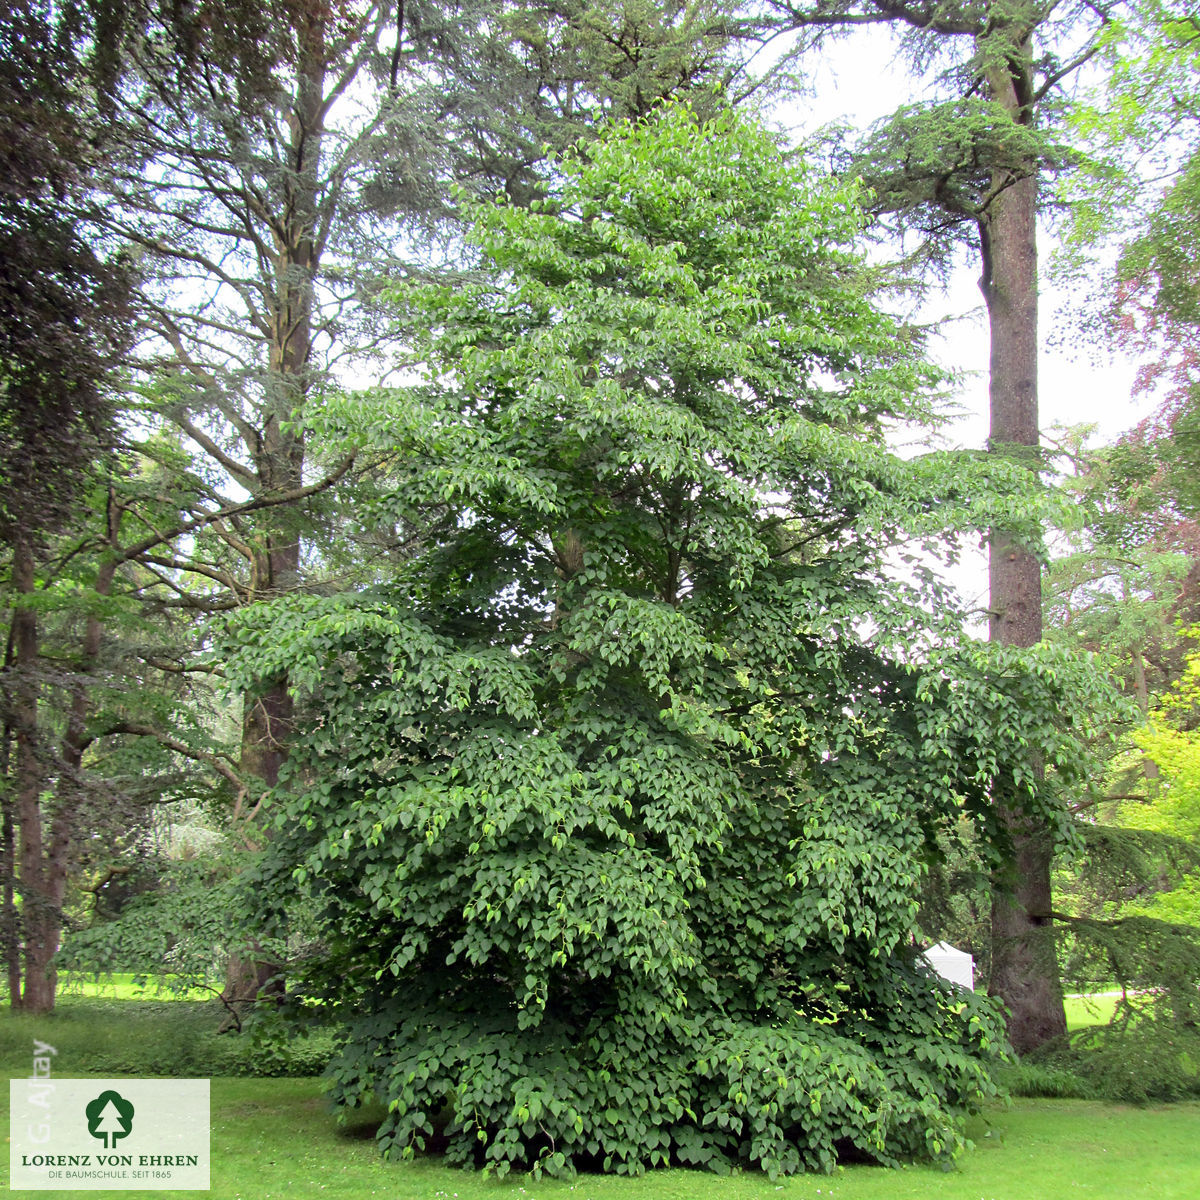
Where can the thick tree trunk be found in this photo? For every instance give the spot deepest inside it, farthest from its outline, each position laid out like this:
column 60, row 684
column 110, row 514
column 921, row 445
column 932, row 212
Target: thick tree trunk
column 1024, row 954
column 1025, row 972
column 279, row 461
column 266, row 727
column 279, row 457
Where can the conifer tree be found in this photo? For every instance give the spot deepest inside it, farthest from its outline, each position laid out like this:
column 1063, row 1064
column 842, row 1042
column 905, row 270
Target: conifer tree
column 270, row 185
column 968, row 170
column 62, row 329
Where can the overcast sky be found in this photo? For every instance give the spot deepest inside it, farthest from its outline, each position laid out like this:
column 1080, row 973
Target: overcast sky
column 860, row 79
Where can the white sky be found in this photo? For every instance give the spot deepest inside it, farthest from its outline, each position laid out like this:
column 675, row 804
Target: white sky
column 859, row 79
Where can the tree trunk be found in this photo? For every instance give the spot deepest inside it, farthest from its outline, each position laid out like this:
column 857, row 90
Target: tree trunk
column 41, row 911
column 1024, row 954
column 279, row 462
column 45, row 855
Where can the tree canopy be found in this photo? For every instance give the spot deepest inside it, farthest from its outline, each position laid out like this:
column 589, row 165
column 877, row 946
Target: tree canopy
column 585, row 691
column 615, row 806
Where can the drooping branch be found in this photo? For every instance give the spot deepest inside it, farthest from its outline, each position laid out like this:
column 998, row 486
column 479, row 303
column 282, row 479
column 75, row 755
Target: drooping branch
column 222, row 764
column 254, row 504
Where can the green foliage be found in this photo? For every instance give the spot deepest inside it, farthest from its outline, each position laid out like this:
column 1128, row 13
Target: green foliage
column 1174, row 815
column 1150, row 1061
column 1143, row 1055
column 1037, row 1079
column 935, row 164
column 1132, row 894
column 1146, row 125
column 1145, row 109
column 169, row 1038
column 617, row 59
column 1149, row 1047
column 615, row 806
column 185, row 927
column 1117, row 581
column 633, row 1089
column 1140, row 923
column 123, row 730
column 64, row 311
column 1153, row 961
column 955, row 903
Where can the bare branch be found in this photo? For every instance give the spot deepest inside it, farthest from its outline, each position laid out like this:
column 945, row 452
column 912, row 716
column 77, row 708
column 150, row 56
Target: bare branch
column 268, row 500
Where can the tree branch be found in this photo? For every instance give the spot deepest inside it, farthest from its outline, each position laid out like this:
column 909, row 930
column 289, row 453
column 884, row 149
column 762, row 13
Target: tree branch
column 254, row 504
column 219, row 763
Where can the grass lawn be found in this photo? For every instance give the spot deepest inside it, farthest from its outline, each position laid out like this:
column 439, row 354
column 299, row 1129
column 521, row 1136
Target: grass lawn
column 121, row 986
column 1089, row 1010
column 274, row 1139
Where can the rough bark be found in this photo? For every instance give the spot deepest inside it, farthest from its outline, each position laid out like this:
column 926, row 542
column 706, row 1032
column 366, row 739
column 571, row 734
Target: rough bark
column 1002, row 205
column 1024, row 969
column 279, row 452
column 40, row 912
column 279, row 461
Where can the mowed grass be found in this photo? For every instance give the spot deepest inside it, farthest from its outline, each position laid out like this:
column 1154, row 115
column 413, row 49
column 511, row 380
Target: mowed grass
column 1035, row 1149
column 124, row 986
column 147, row 1038
column 1090, row 1010
column 275, row 1139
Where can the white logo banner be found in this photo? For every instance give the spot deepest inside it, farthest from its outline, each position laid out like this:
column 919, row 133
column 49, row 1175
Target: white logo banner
column 108, row 1134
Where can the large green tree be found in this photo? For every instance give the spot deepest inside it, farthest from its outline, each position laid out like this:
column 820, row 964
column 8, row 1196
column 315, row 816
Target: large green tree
column 1150, row 110
column 614, row 806
column 283, row 181
column 1131, row 585
column 278, row 191
column 67, row 72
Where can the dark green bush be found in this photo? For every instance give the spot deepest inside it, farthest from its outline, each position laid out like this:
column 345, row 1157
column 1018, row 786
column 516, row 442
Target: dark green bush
column 631, row 1089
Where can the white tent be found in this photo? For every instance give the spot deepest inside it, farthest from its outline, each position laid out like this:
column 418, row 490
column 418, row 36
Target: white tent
column 953, row 964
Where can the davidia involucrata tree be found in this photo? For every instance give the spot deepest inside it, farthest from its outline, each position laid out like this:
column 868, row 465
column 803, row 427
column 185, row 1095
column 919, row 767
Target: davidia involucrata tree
column 615, row 804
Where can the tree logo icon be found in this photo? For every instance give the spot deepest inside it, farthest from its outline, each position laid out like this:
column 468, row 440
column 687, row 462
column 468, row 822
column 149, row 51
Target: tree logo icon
column 109, row 1117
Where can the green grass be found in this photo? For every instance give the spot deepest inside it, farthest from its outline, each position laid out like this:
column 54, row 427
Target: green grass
column 148, row 1038
column 1089, row 1010
column 1084, row 1011
column 275, row 1138
column 119, row 985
